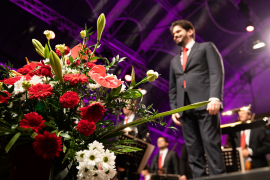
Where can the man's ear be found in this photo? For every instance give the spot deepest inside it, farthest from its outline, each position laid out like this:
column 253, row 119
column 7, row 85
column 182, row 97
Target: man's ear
column 190, row 32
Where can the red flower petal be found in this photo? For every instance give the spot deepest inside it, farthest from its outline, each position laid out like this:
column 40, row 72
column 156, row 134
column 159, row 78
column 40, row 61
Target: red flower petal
column 85, row 127
column 74, row 78
column 70, row 99
column 32, row 120
column 4, row 99
column 40, row 91
column 75, row 52
column 98, row 74
column 93, row 112
column 47, row 145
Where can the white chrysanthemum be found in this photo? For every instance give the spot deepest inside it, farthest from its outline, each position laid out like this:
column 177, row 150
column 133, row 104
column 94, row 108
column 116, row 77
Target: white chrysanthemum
column 36, row 79
column 96, row 146
column 53, row 83
column 80, row 155
column 18, row 86
column 111, row 75
column 93, row 157
column 108, row 160
column 96, row 175
column 23, row 98
column 93, row 86
column 108, row 174
column 67, row 70
column 123, row 88
column 84, row 170
column 46, row 61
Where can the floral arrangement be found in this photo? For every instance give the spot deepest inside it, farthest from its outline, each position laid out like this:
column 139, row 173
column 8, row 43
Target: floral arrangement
column 62, row 105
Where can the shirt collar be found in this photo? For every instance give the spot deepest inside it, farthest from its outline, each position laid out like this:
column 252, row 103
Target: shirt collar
column 165, row 151
column 190, row 44
column 131, row 117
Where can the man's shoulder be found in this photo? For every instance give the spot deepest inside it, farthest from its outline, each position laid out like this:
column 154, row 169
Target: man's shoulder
column 205, row 44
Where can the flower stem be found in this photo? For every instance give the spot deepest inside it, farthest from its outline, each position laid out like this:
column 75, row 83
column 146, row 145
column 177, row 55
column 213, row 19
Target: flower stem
column 94, row 50
column 49, row 45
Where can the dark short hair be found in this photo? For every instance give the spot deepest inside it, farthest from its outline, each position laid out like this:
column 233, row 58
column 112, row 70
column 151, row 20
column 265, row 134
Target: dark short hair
column 146, row 167
column 166, row 140
column 183, row 24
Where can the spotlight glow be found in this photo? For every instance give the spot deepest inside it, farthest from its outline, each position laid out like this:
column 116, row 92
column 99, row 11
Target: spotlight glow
column 227, row 113
column 250, row 28
column 128, row 78
column 259, row 45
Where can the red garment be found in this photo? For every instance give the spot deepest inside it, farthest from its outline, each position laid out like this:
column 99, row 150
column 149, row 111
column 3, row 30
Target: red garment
column 160, row 161
column 185, row 57
column 126, row 120
column 243, row 140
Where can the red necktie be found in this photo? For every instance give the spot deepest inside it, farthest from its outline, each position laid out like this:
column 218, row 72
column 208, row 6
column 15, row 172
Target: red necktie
column 185, row 56
column 126, row 120
column 160, row 161
column 243, row 140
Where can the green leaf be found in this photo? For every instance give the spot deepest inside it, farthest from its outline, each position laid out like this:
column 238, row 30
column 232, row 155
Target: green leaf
column 2, row 129
column 10, row 90
column 34, row 135
column 95, row 57
column 64, row 148
column 70, row 59
column 12, row 141
column 66, row 156
column 65, row 135
column 132, row 77
column 5, row 87
column 20, row 116
column 46, row 52
column 3, row 94
column 48, row 123
column 5, row 122
column 132, row 94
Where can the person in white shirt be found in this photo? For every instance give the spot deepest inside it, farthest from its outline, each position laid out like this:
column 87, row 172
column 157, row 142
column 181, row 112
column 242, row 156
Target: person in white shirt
column 254, row 143
column 165, row 162
column 145, row 172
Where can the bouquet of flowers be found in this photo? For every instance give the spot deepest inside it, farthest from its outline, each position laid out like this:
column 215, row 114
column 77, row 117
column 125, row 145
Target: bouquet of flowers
column 62, row 105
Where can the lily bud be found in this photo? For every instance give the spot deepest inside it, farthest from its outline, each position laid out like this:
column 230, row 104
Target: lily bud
column 38, row 46
column 83, row 33
column 56, row 65
column 100, row 25
column 151, row 75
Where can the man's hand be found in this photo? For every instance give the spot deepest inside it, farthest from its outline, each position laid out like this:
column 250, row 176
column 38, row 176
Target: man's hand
column 183, row 177
column 245, row 153
column 160, row 171
column 175, row 118
column 213, row 107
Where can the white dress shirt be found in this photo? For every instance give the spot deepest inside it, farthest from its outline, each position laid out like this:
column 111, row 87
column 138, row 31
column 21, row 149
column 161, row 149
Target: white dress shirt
column 130, row 118
column 189, row 46
column 247, row 138
column 147, row 177
column 164, row 154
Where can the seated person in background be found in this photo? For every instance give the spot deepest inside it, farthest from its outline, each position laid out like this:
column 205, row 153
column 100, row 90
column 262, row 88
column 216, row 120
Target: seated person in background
column 165, row 162
column 185, row 170
column 254, row 143
column 145, row 172
column 124, row 164
column 140, row 131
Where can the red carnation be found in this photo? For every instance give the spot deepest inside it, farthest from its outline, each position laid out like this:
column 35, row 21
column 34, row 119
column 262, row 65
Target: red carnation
column 47, row 145
column 98, row 74
column 89, row 64
column 67, row 62
column 85, row 127
column 67, row 51
column 40, row 91
column 74, row 78
column 70, row 99
column 32, row 120
column 4, row 99
column 44, row 70
column 93, row 112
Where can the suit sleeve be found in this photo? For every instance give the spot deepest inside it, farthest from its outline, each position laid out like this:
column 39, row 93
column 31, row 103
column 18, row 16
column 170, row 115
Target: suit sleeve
column 264, row 146
column 153, row 168
column 175, row 161
column 216, row 71
column 142, row 132
column 172, row 88
column 183, row 160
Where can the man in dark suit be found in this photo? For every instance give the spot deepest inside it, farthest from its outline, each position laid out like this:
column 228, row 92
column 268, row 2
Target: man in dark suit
column 185, row 170
column 254, row 142
column 165, row 162
column 141, row 132
column 197, row 74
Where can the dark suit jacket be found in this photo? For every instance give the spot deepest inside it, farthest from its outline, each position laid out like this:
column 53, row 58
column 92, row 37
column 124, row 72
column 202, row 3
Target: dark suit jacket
column 142, row 130
column 204, row 76
column 171, row 163
column 260, row 145
column 184, row 164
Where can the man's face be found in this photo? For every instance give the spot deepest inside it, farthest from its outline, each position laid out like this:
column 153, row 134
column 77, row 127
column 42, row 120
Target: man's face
column 180, row 35
column 162, row 144
column 244, row 116
column 128, row 110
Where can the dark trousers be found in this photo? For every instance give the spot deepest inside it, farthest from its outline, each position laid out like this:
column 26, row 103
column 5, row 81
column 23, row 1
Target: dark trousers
column 202, row 136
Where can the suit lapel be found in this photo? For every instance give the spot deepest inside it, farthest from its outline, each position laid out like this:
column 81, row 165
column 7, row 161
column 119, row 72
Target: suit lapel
column 178, row 62
column 193, row 50
column 250, row 137
column 166, row 158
